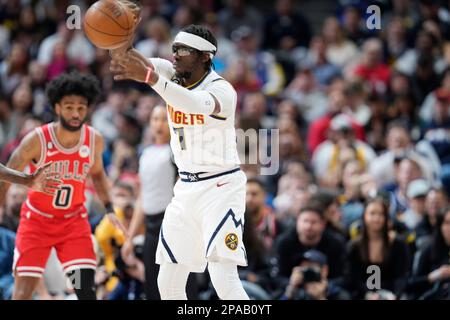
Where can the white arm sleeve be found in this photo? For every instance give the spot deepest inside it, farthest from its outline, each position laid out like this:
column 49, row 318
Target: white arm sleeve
column 226, row 95
column 199, row 102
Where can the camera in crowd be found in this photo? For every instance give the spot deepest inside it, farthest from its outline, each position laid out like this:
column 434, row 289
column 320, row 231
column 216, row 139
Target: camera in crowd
column 311, row 274
column 121, row 266
column 311, row 265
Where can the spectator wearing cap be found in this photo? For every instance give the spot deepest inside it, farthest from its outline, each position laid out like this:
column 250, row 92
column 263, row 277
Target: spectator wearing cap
column 308, row 280
column 309, row 233
column 330, row 155
column 437, row 132
column 376, row 246
column 416, row 192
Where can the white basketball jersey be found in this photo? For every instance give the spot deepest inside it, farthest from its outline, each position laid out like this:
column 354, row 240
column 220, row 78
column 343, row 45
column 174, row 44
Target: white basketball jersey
column 203, row 143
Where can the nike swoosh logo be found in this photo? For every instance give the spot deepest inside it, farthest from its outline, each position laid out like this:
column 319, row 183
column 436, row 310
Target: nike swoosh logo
column 52, row 153
column 221, row 184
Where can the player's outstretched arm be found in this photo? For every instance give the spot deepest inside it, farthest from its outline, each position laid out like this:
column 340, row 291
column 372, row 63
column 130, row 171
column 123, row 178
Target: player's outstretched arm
column 134, row 66
column 101, row 183
column 12, row 176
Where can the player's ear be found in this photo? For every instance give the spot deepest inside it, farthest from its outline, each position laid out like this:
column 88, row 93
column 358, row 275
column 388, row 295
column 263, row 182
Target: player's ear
column 57, row 108
column 205, row 56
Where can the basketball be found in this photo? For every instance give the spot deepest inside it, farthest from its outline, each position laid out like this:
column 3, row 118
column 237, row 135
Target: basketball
column 108, row 24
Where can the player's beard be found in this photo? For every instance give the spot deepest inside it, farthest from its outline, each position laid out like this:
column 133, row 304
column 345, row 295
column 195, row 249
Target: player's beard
column 182, row 77
column 65, row 124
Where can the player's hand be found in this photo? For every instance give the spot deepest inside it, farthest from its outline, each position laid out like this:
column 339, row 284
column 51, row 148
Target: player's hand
column 43, row 181
column 116, row 222
column 131, row 65
column 135, row 9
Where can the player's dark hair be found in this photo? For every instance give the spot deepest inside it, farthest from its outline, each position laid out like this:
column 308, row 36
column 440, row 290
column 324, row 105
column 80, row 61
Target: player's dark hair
column 257, row 181
column 206, row 34
column 73, row 83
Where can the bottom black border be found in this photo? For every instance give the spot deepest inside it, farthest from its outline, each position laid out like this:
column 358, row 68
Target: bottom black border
column 260, row 310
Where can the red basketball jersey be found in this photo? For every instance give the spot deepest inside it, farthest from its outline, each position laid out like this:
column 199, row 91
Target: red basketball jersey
column 72, row 166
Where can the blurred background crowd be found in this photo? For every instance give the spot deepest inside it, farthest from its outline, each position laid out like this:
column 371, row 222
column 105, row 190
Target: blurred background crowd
column 364, row 140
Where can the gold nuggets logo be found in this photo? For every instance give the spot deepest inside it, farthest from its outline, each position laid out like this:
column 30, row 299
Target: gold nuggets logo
column 231, row 241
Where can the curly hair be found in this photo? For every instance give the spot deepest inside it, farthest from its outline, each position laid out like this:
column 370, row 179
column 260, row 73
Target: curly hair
column 206, row 34
column 73, row 83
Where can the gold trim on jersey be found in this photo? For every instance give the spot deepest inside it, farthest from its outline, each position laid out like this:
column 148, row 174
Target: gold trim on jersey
column 191, row 86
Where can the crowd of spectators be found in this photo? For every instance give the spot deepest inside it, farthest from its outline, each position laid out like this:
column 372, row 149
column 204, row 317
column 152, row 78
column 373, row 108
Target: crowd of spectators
column 364, row 140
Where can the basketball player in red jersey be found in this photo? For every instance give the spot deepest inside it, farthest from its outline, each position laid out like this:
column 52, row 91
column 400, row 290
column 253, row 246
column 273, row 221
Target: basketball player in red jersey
column 60, row 220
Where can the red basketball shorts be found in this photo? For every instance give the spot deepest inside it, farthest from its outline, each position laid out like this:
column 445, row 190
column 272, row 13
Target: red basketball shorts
column 39, row 232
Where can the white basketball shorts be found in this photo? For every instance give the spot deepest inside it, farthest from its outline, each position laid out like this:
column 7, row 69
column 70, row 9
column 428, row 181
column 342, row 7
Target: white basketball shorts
column 204, row 222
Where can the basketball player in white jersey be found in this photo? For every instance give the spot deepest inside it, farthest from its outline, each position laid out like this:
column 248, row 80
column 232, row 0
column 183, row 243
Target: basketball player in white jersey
column 203, row 223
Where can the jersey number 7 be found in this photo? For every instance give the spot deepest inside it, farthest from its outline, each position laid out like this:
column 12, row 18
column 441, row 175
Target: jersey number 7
column 181, row 137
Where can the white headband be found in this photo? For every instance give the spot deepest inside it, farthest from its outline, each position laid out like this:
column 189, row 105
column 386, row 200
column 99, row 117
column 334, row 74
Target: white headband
column 195, row 42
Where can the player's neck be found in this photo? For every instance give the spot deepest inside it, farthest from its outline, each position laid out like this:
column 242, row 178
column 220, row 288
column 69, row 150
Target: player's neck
column 67, row 139
column 197, row 76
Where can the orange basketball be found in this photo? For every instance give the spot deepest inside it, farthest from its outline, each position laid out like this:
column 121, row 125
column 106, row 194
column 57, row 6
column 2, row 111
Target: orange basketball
column 108, row 24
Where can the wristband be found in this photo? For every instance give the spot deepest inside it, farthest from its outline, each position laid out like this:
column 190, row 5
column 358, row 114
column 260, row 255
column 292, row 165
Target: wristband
column 147, row 76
